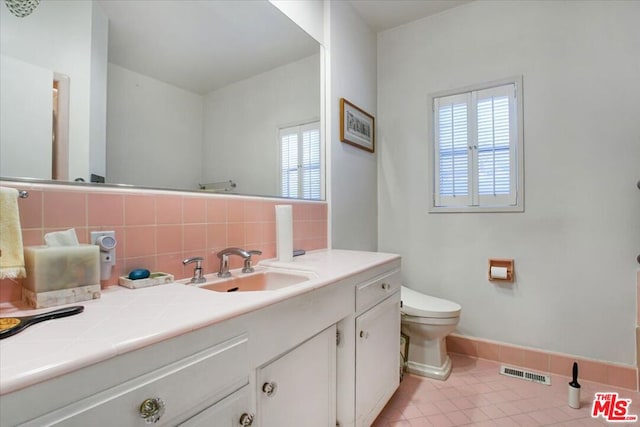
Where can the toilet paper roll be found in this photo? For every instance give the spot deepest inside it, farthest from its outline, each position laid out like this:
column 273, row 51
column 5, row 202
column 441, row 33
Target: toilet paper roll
column 498, row 272
column 284, row 232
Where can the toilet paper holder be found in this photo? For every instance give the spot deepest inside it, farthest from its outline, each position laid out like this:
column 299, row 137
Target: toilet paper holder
column 497, row 268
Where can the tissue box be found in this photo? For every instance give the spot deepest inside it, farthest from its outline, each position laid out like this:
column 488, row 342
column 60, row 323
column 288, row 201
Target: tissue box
column 61, row 274
column 158, row 278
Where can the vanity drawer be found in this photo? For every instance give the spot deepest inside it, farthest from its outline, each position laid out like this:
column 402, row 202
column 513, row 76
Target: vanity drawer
column 377, row 289
column 183, row 387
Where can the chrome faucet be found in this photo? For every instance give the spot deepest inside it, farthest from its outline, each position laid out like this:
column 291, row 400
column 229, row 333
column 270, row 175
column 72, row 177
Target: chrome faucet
column 248, row 268
column 223, row 255
column 198, row 277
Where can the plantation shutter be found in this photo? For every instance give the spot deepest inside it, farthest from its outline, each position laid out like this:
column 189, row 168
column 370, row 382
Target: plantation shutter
column 453, row 164
column 300, row 157
column 311, row 161
column 496, row 154
column 475, row 142
column 289, row 162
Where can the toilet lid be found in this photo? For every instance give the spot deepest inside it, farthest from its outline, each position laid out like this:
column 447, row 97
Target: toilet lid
column 421, row 305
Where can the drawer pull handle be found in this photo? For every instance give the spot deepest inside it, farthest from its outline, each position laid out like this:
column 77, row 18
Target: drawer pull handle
column 151, row 410
column 246, row 419
column 364, row 334
column 269, row 388
column 386, row 286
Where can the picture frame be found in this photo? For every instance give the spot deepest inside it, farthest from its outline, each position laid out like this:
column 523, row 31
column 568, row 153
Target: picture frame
column 357, row 127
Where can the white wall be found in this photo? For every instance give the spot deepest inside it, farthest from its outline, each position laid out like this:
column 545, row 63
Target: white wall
column 231, row 133
column 576, row 243
column 307, row 14
column 98, row 93
column 353, row 172
column 58, row 36
column 242, row 121
column 148, row 122
column 25, row 119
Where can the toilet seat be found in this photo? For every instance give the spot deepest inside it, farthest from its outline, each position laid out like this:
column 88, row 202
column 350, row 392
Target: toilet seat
column 417, row 304
column 431, row 321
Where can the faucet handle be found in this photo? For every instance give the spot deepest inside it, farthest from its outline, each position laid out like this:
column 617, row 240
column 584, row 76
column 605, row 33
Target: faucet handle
column 197, row 259
column 248, row 268
column 198, row 277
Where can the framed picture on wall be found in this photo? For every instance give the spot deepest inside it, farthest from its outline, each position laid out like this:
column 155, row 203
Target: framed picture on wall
column 357, row 127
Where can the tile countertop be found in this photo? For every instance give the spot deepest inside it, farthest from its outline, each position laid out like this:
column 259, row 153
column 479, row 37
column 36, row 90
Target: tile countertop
column 124, row 320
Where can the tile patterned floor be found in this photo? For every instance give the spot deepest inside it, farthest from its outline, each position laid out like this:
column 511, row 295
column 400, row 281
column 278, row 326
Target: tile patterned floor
column 477, row 395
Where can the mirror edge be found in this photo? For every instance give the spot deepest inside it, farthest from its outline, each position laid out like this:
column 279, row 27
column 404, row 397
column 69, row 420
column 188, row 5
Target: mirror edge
column 127, row 187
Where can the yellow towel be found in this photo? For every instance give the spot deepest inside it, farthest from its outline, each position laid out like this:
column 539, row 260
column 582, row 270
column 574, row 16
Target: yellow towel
column 11, row 251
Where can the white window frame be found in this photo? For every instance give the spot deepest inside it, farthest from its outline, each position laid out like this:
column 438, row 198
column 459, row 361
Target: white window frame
column 299, row 130
column 473, row 202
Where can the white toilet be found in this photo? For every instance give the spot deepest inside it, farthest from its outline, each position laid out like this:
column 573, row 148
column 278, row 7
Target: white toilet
column 427, row 321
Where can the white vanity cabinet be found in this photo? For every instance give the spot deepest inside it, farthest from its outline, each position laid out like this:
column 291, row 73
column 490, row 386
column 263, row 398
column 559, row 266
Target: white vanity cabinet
column 377, row 358
column 168, row 395
column 299, row 388
column 370, row 349
column 231, row 411
column 319, row 356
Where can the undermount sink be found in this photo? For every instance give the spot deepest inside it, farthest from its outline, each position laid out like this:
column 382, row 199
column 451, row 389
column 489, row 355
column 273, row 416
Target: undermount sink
column 259, row 281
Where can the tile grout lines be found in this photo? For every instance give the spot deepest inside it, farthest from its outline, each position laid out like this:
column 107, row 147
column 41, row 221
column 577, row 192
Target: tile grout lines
column 477, row 395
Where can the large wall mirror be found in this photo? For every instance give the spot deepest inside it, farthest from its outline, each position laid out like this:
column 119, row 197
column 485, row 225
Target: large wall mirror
column 191, row 95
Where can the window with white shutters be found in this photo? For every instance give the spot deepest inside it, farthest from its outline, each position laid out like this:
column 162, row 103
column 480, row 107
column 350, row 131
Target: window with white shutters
column 477, row 149
column 300, row 158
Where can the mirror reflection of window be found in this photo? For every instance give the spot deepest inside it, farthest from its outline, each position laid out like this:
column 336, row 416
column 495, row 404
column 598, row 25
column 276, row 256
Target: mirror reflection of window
column 300, row 161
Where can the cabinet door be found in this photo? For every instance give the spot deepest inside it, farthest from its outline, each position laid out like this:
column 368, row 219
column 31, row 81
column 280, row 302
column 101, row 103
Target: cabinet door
column 226, row 413
column 377, row 358
column 299, row 388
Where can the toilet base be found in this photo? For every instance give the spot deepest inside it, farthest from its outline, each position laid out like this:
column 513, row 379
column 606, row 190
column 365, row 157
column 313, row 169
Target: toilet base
column 435, row 372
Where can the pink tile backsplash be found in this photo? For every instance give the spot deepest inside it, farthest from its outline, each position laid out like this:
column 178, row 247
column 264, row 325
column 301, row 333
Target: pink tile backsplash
column 139, row 209
column 252, row 234
column 169, row 209
column 158, row 229
column 31, row 210
column 235, row 210
column 216, row 236
column 169, row 239
column 105, row 209
column 216, row 210
column 194, row 210
column 235, row 234
column 195, row 237
column 253, row 211
column 140, row 241
column 64, row 209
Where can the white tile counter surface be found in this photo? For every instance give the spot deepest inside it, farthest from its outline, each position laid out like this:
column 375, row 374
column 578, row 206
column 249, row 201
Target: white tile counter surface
column 124, row 320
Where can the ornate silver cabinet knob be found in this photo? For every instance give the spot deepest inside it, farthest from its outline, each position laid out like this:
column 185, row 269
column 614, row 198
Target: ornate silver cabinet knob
column 151, row 410
column 269, row 388
column 246, row 419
